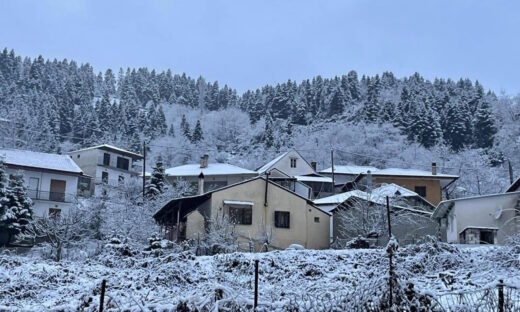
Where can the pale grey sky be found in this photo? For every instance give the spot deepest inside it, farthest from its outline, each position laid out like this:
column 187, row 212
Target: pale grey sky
column 248, row 44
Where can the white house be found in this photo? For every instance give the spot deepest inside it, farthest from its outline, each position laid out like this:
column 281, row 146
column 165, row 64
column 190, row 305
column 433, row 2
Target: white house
column 487, row 219
column 52, row 180
column 215, row 175
column 291, row 170
column 109, row 165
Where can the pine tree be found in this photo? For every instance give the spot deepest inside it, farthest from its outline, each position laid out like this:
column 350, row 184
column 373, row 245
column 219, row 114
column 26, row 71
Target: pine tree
column 155, row 186
column 337, row 103
column 268, row 132
column 197, row 135
column 171, row 131
column 185, row 127
column 7, row 217
column 484, row 126
column 18, row 213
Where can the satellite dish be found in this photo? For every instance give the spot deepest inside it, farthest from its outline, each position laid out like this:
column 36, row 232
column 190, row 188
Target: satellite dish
column 498, row 213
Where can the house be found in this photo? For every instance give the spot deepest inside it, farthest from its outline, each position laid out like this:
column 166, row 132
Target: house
column 293, row 171
column 428, row 184
column 216, row 175
column 53, row 181
column 259, row 209
column 486, row 219
column 359, row 213
column 109, row 165
column 515, row 187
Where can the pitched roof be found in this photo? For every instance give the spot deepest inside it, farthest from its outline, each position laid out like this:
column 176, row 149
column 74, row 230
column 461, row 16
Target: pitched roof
column 355, row 170
column 445, row 206
column 265, row 167
column 210, row 170
column 349, row 169
column 340, row 198
column 112, row 148
column 313, row 178
column 39, row 160
column 514, row 187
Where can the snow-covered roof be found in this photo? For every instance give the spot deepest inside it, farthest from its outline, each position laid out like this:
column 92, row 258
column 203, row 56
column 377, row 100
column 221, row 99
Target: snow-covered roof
column 113, row 149
column 211, row 170
column 445, row 206
column 340, row 198
column 349, row 169
column 390, row 190
column 39, row 160
column 312, row 178
column 265, row 167
column 479, row 228
column 238, row 202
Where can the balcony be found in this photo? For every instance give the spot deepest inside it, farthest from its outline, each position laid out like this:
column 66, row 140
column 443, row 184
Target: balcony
column 51, row 196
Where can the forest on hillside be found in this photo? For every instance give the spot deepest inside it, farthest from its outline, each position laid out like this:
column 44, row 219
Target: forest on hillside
column 59, row 105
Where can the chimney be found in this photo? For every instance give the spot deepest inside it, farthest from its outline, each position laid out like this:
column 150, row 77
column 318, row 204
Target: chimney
column 313, row 165
column 434, row 168
column 204, row 161
column 369, row 180
column 201, row 183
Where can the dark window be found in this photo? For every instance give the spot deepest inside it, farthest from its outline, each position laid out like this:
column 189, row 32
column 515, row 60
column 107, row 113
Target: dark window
column 317, row 219
column 104, row 177
column 241, row 215
column 78, row 156
column 122, row 163
column 57, row 192
column 282, row 219
column 54, row 213
column 121, row 179
column 106, row 159
column 293, row 162
column 421, row 190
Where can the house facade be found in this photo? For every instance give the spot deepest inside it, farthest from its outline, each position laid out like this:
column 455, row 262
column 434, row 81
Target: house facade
column 260, row 210
column 428, row 184
column 350, row 210
column 216, row 175
column 290, row 168
column 108, row 165
column 53, row 181
column 487, row 219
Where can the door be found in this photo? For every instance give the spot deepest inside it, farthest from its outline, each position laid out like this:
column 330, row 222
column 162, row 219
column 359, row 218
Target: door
column 57, row 190
column 487, row 237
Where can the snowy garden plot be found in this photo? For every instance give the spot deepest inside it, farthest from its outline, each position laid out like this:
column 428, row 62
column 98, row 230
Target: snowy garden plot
column 306, row 279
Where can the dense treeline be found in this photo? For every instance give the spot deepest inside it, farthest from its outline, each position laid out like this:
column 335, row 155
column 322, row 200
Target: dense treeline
column 52, row 102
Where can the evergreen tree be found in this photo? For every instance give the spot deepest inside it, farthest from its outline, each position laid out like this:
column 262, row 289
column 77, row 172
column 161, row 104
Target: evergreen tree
column 155, row 186
column 7, row 217
column 268, row 132
column 185, row 127
column 197, row 135
column 18, row 208
column 484, row 126
column 171, row 131
column 337, row 103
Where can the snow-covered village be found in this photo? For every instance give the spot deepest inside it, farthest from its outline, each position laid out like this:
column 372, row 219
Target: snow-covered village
column 259, row 156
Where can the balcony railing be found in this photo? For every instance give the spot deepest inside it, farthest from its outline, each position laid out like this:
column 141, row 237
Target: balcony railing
column 51, row 196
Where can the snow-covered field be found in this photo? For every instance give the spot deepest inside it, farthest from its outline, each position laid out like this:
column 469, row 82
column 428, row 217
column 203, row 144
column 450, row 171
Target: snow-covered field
column 288, row 280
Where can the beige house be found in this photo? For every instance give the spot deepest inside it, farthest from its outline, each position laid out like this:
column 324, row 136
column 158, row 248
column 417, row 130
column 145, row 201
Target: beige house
column 428, row 184
column 261, row 211
column 216, row 175
column 488, row 219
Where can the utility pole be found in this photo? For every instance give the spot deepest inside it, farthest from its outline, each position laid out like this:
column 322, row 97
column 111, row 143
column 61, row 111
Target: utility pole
column 511, row 179
column 144, row 168
column 332, row 166
column 390, row 256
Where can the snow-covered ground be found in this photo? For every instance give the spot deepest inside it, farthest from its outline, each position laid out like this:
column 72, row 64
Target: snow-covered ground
column 306, row 279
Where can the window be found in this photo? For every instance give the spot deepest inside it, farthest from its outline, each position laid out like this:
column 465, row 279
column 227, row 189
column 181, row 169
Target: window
column 54, row 213
column 122, row 163
column 282, row 219
column 57, row 192
column 104, row 177
column 121, row 179
column 421, row 190
column 317, row 219
column 77, row 156
column 34, row 184
column 106, row 159
column 293, row 162
column 241, row 215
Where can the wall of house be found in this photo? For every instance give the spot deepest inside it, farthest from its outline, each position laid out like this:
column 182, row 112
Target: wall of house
column 87, row 161
column 433, row 186
column 195, row 225
column 41, row 201
column 284, row 165
column 484, row 212
column 303, row 229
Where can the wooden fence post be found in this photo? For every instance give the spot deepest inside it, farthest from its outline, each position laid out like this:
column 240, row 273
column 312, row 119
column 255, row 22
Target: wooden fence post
column 501, row 295
column 256, row 285
column 102, row 296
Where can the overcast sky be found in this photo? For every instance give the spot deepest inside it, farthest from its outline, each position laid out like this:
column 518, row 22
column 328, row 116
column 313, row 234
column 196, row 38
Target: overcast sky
column 248, row 44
